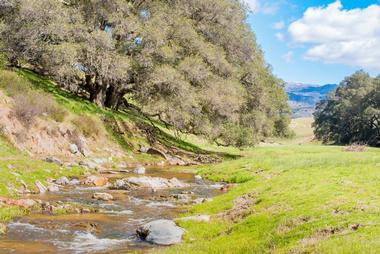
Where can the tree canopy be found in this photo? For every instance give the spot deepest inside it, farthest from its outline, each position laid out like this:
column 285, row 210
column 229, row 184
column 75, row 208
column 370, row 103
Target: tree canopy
column 194, row 64
column 352, row 113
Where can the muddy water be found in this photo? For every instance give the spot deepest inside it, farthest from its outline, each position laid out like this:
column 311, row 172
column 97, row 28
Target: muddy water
column 112, row 230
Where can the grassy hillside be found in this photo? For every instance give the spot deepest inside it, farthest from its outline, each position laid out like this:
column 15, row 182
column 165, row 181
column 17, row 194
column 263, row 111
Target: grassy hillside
column 303, row 199
column 17, row 167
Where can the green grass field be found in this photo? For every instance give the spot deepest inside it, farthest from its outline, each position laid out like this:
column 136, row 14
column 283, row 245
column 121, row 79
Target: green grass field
column 305, row 199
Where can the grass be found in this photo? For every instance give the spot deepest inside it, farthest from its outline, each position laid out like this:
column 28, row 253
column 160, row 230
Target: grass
column 300, row 194
column 16, row 167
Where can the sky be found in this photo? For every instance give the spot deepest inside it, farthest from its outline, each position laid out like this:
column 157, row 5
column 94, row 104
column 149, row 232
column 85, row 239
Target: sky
column 317, row 42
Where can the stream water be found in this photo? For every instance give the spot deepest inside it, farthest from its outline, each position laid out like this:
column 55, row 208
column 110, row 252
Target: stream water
column 112, row 230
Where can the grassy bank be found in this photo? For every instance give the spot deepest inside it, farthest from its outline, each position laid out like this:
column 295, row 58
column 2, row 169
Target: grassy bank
column 16, row 167
column 304, row 199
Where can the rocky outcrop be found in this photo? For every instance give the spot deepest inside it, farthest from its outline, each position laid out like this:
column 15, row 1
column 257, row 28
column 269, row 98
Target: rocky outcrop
column 162, row 232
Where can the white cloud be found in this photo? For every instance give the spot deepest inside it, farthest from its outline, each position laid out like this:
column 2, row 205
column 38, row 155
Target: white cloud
column 279, row 25
column 337, row 35
column 253, row 5
column 288, row 57
column 280, row 36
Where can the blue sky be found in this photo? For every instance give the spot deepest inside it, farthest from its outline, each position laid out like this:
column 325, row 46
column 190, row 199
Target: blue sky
column 331, row 40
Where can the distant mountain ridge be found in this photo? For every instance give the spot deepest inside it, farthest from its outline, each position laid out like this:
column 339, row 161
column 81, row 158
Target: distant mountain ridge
column 304, row 97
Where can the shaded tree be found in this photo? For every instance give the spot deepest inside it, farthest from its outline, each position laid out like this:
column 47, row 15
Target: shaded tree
column 193, row 64
column 352, row 113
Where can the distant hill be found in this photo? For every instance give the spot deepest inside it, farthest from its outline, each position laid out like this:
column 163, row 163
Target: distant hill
column 304, row 97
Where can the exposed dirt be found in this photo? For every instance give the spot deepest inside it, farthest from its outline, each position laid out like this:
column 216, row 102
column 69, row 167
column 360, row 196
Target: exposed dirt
column 243, row 207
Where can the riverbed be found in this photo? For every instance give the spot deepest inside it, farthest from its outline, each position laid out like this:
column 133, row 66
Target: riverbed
column 113, row 228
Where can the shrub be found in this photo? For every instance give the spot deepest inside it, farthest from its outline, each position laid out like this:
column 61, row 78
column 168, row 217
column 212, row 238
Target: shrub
column 87, row 125
column 29, row 105
column 13, row 84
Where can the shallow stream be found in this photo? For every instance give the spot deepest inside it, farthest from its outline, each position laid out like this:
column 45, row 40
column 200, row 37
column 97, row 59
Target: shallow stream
column 112, row 230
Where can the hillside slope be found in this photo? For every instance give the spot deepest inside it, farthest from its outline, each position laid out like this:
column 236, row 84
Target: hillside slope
column 303, row 97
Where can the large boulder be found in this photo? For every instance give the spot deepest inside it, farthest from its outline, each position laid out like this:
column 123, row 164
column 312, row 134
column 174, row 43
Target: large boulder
column 156, row 182
column 162, row 232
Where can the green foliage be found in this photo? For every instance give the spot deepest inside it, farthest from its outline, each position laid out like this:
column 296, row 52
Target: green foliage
column 352, row 113
column 193, row 64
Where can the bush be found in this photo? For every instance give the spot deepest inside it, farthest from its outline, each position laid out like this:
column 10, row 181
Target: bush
column 13, row 84
column 33, row 104
column 87, row 125
column 27, row 107
column 29, row 103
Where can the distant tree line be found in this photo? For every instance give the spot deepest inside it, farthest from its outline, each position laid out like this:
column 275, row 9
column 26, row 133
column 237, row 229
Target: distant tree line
column 193, row 64
column 351, row 114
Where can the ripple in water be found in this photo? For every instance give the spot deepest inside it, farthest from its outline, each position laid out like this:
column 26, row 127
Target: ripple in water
column 87, row 242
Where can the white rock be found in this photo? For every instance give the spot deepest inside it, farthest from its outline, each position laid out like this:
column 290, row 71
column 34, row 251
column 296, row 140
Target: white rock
column 62, row 181
column 162, row 232
column 156, row 182
column 140, row 170
column 41, row 188
column 53, row 188
column 74, row 149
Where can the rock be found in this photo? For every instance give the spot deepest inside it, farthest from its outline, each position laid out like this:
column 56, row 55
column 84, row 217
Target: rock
column 198, row 177
column 74, row 149
column 88, row 227
column 54, row 160
column 184, row 198
column 175, row 161
column 143, row 149
column 354, row 227
column 24, row 203
column 74, row 182
column 41, row 188
column 63, row 130
column 155, row 182
column 201, row 200
column 162, row 232
column 3, row 229
column 121, row 185
column 155, row 151
column 53, row 187
column 140, row 170
column 102, row 196
column 62, row 181
column 96, row 180
column 99, row 160
column 197, row 218
column 89, row 164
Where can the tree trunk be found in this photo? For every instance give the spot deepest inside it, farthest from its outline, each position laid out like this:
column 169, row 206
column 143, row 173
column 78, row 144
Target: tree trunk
column 113, row 98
